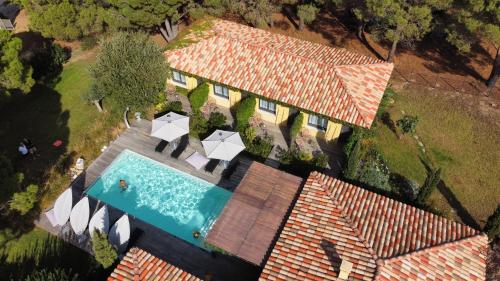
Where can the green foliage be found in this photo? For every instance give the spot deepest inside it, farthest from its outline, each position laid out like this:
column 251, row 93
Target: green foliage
column 307, row 14
column 56, row 274
column 387, row 99
column 374, row 171
column 6, row 168
column 492, row 226
column 408, row 124
column 255, row 12
column 104, row 252
column 89, row 42
column 430, row 184
column 181, row 91
column 297, row 124
column 145, row 13
column 258, row 146
column 67, row 20
column 244, row 111
column 14, row 73
column 300, row 162
column 175, row 106
column 199, row 96
column 48, row 61
column 216, row 120
column 198, row 125
column 358, row 133
column 23, row 202
column 6, row 236
column 130, row 69
column 353, row 161
column 215, row 8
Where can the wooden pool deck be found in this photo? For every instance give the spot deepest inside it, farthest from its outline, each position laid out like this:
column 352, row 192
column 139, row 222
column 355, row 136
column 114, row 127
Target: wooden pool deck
column 179, row 253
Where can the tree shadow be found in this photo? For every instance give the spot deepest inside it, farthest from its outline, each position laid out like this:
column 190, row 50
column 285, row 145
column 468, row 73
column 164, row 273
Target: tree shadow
column 332, row 254
column 387, row 120
column 460, row 210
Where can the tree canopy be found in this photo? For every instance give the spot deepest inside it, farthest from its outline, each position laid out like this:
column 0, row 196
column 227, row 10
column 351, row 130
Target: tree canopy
column 104, row 252
column 14, row 73
column 130, row 69
column 24, row 201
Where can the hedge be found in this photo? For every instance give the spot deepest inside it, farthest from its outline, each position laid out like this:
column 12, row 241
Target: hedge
column 296, row 126
column 199, row 96
column 245, row 110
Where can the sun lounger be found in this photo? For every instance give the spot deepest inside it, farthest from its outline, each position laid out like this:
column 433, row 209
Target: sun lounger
column 197, row 160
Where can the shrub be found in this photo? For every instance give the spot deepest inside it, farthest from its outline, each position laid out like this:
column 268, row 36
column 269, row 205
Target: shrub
column 374, row 172
column 216, row 120
column 23, row 202
column 198, row 126
column 249, row 134
column 104, row 252
column 260, row 146
column 408, row 124
column 297, row 124
column 175, row 106
column 181, row 91
column 56, row 274
column 48, row 60
column 353, row 161
column 492, row 226
column 320, row 160
column 430, row 184
column 244, row 111
column 301, row 162
column 89, row 42
column 358, row 134
column 199, row 96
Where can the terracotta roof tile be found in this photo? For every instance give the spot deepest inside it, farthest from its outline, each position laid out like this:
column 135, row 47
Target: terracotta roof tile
column 383, row 238
column 139, row 265
column 329, row 81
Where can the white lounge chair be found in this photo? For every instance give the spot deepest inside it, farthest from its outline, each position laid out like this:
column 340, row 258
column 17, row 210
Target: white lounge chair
column 197, row 160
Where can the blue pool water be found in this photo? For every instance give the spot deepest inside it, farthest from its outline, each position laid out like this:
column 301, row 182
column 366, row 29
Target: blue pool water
column 160, row 195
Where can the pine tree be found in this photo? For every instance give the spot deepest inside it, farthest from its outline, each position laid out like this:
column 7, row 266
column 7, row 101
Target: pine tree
column 104, row 252
column 430, row 184
column 492, row 226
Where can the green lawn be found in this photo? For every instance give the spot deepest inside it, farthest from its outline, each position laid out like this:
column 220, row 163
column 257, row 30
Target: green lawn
column 464, row 145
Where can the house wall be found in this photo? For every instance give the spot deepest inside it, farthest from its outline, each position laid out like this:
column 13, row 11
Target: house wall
column 191, row 82
column 234, row 97
column 281, row 115
column 332, row 129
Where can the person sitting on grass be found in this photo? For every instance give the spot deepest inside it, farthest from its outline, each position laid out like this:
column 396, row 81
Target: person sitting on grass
column 123, row 185
column 31, row 147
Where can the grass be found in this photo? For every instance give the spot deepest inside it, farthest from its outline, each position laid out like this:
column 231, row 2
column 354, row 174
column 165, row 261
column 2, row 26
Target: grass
column 466, row 146
column 195, row 32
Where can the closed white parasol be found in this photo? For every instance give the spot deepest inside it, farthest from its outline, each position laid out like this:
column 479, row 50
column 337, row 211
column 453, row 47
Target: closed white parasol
column 100, row 221
column 223, row 145
column 120, row 233
column 79, row 217
column 170, row 126
column 62, row 207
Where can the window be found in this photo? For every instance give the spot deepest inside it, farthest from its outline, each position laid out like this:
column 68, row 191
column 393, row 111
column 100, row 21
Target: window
column 317, row 122
column 268, row 106
column 178, row 77
column 221, row 91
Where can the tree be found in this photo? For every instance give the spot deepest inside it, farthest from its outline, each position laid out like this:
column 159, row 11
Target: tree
column 492, row 226
column 307, row 14
column 64, row 19
column 147, row 14
column 14, row 73
column 353, row 160
column 130, row 69
column 430, row 184
column 56, row 274
column 256, row 12
column 23, row 202
column 473, row 21
column 400, row 20
column 104, row 252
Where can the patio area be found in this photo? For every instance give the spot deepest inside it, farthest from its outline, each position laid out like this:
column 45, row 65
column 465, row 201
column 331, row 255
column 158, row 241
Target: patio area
column 146, row 236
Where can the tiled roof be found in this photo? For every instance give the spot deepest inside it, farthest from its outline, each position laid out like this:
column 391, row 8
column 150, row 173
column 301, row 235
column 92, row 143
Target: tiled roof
column 383, row 238
column 139, row 265
column 330, row 81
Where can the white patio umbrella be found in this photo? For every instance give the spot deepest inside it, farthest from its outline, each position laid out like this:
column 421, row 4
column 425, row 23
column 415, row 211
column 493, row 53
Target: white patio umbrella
column 170, row 126
column 100, row 221
column 62, row 207
column 120, row 233
column 79, row 217
column 223, row 145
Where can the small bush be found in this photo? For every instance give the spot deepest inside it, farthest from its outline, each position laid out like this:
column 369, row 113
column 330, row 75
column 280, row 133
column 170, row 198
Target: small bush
column 198, row 126
column 175, row 106
column 104, row 252
column 23, row 202
column 301, row 163
column 297, row 124
column 430, row 184
column 199, row 96
column 216, row 120
column 244, row 111
column 249, row 134
column 260, row 147
column 353, row 161
column 492, row 226
column 48, row 60
column 320, row 160
column 374, row 171
column 408, row 124
column 56, row 274
column 89, row 42
column 181, row 91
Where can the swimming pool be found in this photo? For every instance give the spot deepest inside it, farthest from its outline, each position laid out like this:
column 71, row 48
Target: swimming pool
column 160, row 195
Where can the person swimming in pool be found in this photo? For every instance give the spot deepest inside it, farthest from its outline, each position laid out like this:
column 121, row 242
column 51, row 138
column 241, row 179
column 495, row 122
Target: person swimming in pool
column 196, row 234
column 123, row 185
